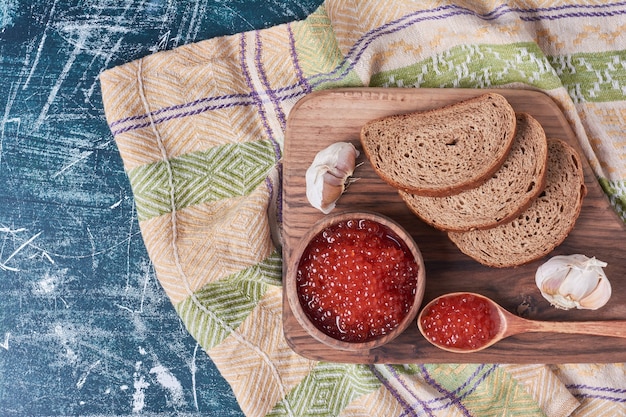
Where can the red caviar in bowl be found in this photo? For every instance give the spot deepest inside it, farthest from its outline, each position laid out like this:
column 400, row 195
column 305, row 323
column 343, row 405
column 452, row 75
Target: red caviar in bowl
column 356, row 280
column 459, row 321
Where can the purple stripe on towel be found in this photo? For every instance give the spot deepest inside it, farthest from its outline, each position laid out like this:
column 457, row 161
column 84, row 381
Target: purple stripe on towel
column 279, row 113
column 355, row 54
column 572, row 6
column 416, row 17
column 178, row 107
column 448, row 398
column 296, row 63
column 601, row 397
column 604, row 389
column 597, row 392
column 257, row 99
column 446, row 394
column 573, row 14
column 453, row 396
column 199, row 110
column 407, row 407
column 266, row 84
column 276, row 190
column 473, row 380
column 418, row 401
column 356, row 51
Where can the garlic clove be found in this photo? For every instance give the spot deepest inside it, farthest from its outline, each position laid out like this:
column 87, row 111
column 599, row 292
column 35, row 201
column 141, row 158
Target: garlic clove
column 578, row 283
column 552, row 281
column 574, row 281
column 326, row 178
column 563, row 303
column 599, row 297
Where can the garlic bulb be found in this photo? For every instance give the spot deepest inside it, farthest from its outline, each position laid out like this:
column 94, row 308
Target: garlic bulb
column 574, row 281
column 326, row 178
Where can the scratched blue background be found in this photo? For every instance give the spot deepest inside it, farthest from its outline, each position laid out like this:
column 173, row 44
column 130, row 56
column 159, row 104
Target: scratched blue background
column 85, row 328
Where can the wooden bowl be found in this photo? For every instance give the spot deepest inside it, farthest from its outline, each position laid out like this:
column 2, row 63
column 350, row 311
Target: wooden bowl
column 292, row 288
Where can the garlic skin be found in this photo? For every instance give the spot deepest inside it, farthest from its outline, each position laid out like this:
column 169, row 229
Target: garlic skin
column 574, row 281
column 327, row 177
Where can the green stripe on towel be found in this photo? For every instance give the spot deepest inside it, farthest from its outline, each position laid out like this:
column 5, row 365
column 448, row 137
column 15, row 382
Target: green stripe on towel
column 213, row 312
column 475, row 66
column 327, row 390
column 486, row 390
column 593, row 77
column 617, row 195
column 226, row 171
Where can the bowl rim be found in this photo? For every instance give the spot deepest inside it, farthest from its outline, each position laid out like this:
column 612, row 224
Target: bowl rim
column 292, row 266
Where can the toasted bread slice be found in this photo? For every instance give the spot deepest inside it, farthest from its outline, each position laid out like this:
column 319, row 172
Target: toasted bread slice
column 441, row 151
column 499, row 199
column 540, row 228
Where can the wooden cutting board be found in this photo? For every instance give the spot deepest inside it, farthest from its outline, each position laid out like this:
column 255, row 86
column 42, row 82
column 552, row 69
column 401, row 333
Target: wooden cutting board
column 325, row 117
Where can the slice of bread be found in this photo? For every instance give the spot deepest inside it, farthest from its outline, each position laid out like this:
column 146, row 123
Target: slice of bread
column 499, row 199
column 541, row 227
column 441, row 151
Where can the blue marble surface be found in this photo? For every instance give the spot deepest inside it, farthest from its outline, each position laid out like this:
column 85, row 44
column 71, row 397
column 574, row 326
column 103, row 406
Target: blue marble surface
column 85, row 328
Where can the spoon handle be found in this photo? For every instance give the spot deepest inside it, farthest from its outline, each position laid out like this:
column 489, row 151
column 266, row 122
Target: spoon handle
column 616, row 328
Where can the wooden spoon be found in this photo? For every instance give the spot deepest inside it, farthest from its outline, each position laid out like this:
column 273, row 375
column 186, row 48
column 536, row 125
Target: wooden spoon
column 505, row 324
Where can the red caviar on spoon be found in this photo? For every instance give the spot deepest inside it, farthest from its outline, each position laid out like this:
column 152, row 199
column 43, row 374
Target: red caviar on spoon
column 469, row 322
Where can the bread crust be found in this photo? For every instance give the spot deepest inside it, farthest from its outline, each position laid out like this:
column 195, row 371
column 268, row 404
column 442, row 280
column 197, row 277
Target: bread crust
column 425, row 153
column 538, row 230
column 502, row 197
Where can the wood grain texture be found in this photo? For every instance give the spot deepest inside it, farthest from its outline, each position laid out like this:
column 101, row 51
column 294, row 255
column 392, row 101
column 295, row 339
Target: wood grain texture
column 337, row 115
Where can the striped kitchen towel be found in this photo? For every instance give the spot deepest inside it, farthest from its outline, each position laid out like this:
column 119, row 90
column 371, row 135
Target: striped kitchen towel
column 201, row 128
